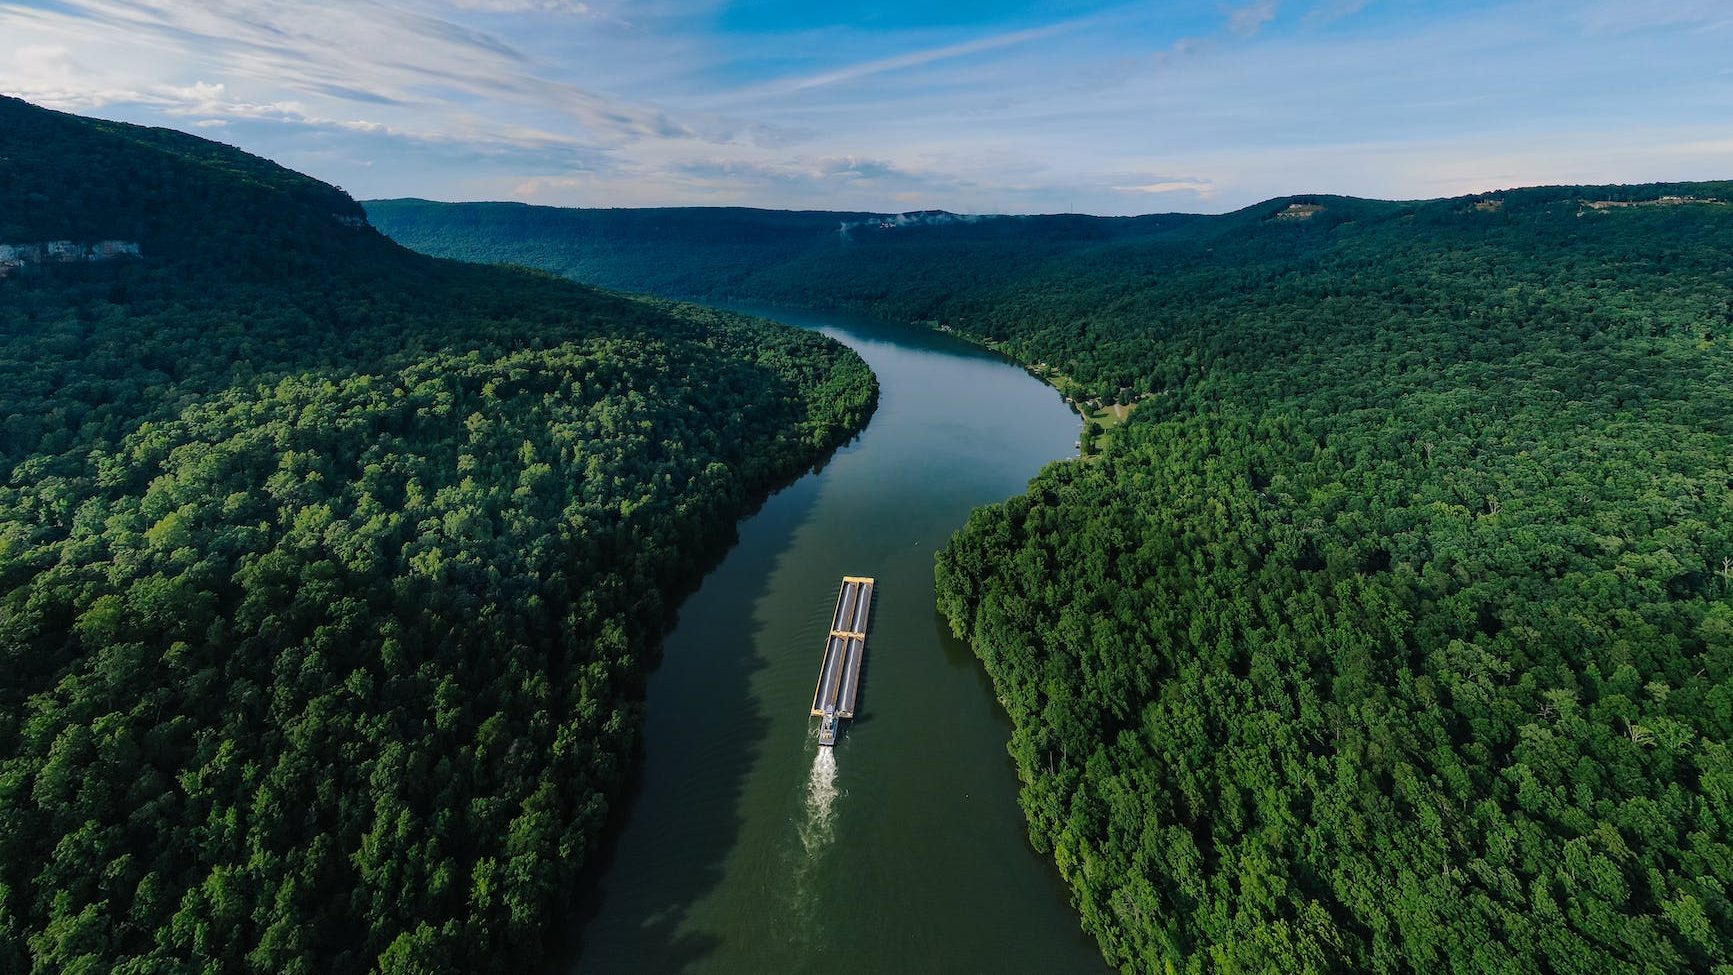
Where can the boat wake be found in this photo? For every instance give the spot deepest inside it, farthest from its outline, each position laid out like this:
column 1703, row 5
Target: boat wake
column 800, row 922
column 820, row 827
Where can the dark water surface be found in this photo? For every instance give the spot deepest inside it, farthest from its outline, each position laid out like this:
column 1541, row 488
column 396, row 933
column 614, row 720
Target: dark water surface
column 747, row 848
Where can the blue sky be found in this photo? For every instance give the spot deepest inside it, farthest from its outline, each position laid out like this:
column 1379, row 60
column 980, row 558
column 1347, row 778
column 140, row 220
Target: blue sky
column 970, row 105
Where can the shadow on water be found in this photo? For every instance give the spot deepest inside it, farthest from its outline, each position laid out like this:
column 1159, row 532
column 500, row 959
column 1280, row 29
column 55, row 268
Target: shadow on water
column 957, row 652
column 958, row 655
column 702, row 686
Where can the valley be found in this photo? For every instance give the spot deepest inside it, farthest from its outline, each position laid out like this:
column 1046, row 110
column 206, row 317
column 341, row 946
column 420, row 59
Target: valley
column 748, row 847
column 1325, row 584
column 1349, row 649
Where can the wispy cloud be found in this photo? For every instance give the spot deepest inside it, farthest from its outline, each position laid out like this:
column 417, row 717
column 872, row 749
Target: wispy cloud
column 1623, row 16
column 1251, row 18
column 526, row 6
column 1333, row 10
column 351, row 49
column 913, row 59
column 821, row 174
column 1159, row 185
column 564, row 101
column 49, row 76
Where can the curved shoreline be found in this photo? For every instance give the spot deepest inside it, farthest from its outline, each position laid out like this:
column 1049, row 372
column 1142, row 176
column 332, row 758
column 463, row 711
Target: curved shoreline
column 718, row 867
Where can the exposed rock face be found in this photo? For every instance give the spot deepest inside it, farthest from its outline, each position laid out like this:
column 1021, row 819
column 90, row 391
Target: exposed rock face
column 1300, row 211
column 14, row 256
column 1665, row 201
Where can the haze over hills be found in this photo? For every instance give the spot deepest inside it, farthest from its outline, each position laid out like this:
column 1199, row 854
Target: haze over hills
column 329, row 572
column 925, row 266
column 742, row 252
column 1387, row 627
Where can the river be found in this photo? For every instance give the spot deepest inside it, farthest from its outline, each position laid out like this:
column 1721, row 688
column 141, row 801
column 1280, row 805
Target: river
column 746, row 847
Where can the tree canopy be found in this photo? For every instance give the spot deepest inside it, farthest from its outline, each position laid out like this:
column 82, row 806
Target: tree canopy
column 329, row 572
column 1394, row 630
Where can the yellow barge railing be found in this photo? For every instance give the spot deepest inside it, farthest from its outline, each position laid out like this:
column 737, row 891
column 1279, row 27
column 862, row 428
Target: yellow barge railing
column 844, row 648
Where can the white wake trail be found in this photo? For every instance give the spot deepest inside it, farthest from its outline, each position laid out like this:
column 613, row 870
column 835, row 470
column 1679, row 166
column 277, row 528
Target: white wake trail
column 820, row 826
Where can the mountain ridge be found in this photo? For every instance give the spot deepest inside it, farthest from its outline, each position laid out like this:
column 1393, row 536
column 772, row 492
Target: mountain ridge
column 1599, row 190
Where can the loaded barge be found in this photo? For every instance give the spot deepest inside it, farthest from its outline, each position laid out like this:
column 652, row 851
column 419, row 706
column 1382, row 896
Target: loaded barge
column 839, row 674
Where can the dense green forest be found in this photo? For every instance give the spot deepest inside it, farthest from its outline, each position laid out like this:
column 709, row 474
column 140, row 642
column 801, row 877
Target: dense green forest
column 330, row 572
column 1394, row 631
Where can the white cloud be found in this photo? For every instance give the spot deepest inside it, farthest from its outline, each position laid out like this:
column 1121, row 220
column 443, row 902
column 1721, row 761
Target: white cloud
column 50, row 76
column 1202, row 188
column 1624, row 16
column 1332, row 10
column 1251, row 18
column 342, row 50
column 525, row 6
column 915, row 59
column 556, row 101
column 539, row 186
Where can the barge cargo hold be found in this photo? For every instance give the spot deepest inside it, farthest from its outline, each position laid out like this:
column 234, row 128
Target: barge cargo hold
column 844, row 649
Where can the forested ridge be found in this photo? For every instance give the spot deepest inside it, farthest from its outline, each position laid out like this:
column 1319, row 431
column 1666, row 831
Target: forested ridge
column 1394, row 631
column 329, row 572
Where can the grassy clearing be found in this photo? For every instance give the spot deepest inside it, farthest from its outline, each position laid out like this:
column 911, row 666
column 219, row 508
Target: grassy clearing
column 1100, row 418
column 1099, row 423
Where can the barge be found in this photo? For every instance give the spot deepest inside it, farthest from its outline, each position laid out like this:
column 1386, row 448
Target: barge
column 833, row 700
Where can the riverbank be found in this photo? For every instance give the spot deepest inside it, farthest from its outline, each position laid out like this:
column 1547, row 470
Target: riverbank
column 1099, row 415
column 742, row 851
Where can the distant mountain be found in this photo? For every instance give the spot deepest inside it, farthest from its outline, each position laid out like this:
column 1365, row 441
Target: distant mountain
column 734, row 252
column 1388, row 623
column 329, row 572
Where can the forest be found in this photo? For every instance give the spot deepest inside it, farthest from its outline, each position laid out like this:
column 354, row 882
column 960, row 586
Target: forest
column 1393, row 632
column 330, row 572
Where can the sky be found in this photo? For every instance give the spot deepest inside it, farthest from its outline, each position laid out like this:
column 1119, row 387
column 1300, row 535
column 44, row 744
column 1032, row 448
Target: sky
column 964, row 105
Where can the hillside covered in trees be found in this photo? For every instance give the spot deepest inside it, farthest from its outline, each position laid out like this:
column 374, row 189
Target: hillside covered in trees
column 1394, row 630
column 330, row 572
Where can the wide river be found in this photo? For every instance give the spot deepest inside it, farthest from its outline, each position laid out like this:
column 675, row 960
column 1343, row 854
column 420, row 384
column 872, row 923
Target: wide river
column 748, row 848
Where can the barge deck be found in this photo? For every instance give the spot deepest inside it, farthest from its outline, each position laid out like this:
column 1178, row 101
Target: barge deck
column 844, row 650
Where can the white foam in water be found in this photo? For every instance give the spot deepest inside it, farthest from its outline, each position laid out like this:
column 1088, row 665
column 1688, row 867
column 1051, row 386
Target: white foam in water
column 800, row 923
column 820, row 826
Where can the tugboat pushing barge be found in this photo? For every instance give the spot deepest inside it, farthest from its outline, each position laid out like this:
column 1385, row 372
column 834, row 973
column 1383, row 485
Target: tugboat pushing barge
column 839, row 674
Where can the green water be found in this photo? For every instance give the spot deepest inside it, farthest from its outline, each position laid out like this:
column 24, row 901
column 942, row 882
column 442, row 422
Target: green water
column 747, row 848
